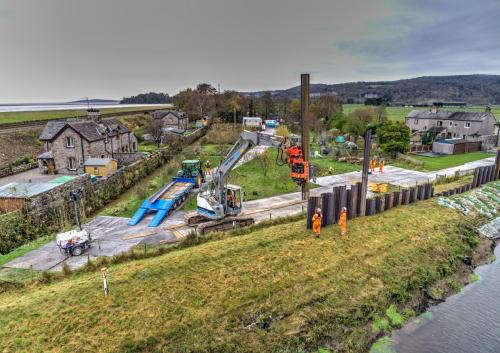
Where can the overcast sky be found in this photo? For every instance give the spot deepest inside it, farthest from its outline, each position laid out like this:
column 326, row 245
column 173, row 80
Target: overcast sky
column 57, row 50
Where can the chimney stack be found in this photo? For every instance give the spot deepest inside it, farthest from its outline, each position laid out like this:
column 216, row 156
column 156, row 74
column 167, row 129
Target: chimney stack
column 94, row 115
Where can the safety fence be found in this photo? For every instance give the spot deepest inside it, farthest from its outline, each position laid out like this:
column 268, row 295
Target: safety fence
column 331, row 203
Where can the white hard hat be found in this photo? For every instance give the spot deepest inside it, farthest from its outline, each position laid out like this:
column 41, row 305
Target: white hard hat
column 318, row 210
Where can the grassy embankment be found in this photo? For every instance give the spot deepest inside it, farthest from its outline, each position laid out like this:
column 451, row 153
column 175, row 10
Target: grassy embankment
column 13, row 117
column 273, row 290
column 443, row 162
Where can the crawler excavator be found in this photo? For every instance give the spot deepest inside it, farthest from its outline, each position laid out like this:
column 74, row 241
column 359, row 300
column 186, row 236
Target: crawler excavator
column 219, row 204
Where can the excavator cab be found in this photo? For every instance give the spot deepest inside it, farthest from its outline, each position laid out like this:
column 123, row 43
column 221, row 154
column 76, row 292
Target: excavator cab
column 233, row 200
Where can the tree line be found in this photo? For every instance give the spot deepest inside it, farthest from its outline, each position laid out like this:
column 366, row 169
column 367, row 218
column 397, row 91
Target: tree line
column 147, row 98
column 326, row 113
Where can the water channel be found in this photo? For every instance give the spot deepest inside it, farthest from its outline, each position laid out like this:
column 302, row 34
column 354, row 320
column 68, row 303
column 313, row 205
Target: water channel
column 467, row 322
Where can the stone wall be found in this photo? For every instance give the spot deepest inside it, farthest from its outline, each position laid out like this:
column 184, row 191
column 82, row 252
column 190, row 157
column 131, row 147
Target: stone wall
column 53, row 209
column 8, row 170
column 127, row 158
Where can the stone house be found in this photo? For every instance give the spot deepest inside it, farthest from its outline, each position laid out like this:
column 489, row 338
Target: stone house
column 172, row 119
column 441, row 124
column 69, row 143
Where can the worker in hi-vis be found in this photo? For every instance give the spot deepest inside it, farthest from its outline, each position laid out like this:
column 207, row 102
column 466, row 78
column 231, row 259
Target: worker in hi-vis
column 316, row 222
column 343, row 223
column 373, row 163
column 380, row 165
column 207, row 167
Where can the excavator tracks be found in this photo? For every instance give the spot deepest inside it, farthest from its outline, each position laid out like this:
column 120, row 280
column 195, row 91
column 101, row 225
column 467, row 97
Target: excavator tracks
column 227, row 223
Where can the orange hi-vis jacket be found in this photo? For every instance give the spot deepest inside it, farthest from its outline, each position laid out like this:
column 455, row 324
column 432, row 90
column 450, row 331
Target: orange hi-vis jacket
column 343, row 222
column 317, row 222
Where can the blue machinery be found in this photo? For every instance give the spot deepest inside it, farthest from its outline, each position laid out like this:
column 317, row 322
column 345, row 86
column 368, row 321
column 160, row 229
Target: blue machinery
column 164, row 201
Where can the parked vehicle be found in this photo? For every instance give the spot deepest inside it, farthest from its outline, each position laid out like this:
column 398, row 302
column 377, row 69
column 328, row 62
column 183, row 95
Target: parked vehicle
column 73, row 242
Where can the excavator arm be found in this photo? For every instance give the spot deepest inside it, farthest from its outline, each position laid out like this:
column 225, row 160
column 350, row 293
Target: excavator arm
column 212, row 203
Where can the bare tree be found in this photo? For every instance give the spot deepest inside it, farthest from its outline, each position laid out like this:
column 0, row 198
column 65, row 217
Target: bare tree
column 264, row 161
column 155, row 129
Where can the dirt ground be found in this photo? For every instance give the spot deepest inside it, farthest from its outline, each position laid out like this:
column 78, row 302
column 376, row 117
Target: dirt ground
column 19, row 144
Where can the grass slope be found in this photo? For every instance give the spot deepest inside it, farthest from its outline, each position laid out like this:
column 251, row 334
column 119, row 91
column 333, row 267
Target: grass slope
column 13, row 117
column 273, row 290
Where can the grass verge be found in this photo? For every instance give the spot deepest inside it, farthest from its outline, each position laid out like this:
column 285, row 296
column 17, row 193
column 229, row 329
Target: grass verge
column 14, row 117
column 275, row 289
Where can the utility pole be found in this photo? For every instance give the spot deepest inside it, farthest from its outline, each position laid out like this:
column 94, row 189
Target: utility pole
column 304, row 114
column 364, row 177
column 75, row 196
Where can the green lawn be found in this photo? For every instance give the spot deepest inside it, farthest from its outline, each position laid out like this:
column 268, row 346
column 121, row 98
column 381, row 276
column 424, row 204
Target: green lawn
column 272, row 290
column 442, row 162
column 13, row 117
column 399, row 113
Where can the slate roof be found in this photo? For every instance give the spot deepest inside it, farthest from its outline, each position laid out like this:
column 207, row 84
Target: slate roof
column 97, row 161
column 24, row 190
column 159, row 114
column 46, row 155
column 88, row 129
column 449, row 115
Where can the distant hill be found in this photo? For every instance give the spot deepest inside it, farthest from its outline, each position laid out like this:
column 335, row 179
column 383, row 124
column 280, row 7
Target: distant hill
column 96, row 100
column 473, row 89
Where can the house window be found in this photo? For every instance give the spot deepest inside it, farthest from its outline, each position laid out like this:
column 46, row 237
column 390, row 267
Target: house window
column 70, row 143
column 439, row 123
column 467, row 125
column 464, row 136
column 451, row 123
column 71, row 163
column 416, row 121
column 134, row 146
column 96, row 171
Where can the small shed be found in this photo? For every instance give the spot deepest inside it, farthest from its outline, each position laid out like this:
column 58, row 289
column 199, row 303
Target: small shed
column 100, row 166
column 455, row 146
column 13, row 196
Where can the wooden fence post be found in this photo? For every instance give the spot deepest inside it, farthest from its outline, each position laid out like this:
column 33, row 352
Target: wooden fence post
column 312, row 204
column 497, row 166
column 354, row 201
column 327, row 200
column 395, row 200
column 388, row 201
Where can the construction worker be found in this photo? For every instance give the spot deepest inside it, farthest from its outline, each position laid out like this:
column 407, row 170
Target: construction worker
column 343, row 223
column 207, row 167
column 380, row 165
column 317, row 218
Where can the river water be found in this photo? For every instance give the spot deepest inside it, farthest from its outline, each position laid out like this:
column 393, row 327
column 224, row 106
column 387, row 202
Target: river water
column 62, row 106
column 468, row 322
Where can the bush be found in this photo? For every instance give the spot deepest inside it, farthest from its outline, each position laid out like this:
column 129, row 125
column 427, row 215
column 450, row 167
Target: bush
column 394, row 137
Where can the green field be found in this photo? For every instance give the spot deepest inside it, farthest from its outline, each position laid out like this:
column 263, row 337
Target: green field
column 399, row 113
column 14, row 117
column 442, row 162
column 277, row 289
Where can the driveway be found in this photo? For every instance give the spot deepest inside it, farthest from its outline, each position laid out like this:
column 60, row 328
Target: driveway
column 29, row 176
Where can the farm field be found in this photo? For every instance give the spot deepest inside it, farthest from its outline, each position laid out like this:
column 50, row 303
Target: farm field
column 14, row 117
column 276, row 289
column 399, row 113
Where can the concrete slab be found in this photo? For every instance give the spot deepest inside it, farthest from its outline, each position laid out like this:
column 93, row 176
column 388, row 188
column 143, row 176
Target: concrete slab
column 32, row 175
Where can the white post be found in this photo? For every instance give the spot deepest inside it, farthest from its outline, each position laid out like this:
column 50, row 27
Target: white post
column 104, row 281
